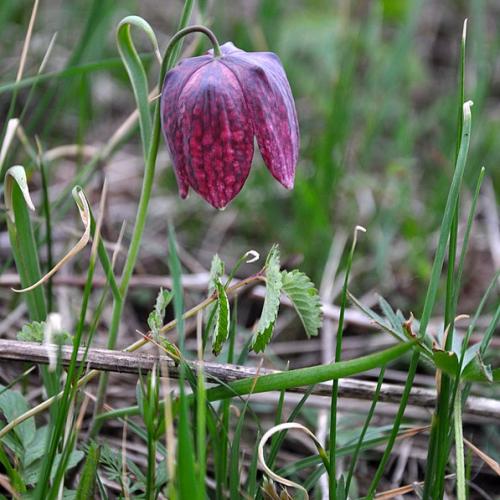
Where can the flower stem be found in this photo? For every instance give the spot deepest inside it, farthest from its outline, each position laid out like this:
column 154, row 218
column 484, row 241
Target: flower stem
column 196, row 28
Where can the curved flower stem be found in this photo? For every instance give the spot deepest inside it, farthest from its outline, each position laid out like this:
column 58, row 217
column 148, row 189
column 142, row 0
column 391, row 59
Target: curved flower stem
column 196, row 28
column 142, row 209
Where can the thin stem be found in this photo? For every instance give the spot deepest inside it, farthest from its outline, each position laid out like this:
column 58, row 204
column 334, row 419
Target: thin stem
column 397, row 423
column 459, row 448
column 365, row 428
column 332, row 478
column 196, row 28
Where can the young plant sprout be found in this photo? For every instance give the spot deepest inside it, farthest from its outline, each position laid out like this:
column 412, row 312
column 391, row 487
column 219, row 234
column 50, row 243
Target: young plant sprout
column 212, row 107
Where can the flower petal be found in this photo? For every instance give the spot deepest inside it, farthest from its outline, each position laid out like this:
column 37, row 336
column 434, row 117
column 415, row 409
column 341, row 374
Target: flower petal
column 269, row 97
column 174, row 81
column 217, row 133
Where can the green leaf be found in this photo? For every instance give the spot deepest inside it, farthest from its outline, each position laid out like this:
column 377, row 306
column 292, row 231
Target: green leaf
column 377, row 319
column 216, row 273
column 470, row 354
column 22, row 240
column 221, row 330
column 155, row 318
column 217, row 269
column 12, row 405
column 274, row 286
column 305, row 299
column 37, row 446
column 32, row 332
column 86, row 485
column 139, row 394
column 477, row 371
column 32, row 472
column 16, row 175
column 136, row 72
column 446, row 361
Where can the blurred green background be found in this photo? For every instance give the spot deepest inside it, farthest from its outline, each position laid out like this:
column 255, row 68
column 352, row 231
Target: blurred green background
column 375, row 84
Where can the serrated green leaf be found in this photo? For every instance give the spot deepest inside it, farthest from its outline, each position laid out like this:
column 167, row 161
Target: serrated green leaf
column 262, row 338
column 216, row 272
column 217, row 269
column 305, row 299
column 32, row 332
column 155, row 318
column 274, row 286
column 221, row 330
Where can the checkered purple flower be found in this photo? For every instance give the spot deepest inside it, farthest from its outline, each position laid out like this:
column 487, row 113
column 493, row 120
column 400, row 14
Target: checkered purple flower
column 211, row 110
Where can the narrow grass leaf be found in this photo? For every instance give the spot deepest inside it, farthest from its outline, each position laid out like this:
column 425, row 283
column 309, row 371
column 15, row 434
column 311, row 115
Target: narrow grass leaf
column 22, row 239
column 361, row 438
column 186, row 467
column 446, row 223
column 459, row 447
column 136, row 72
column 87, row 483
column 332, row 473
column 10, row 132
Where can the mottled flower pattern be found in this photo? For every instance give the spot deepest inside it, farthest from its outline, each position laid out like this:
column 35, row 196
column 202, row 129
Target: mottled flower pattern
column 211, row 110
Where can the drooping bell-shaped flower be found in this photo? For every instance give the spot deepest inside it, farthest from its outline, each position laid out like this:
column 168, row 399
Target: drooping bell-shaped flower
column 212, row 107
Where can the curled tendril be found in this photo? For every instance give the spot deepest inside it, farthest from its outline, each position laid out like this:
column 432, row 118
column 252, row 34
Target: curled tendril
column 273, row 475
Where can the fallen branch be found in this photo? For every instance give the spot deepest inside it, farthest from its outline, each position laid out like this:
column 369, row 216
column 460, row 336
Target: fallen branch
column 126, row 362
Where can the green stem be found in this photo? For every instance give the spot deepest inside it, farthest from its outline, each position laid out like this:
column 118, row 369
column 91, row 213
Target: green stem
column 397, row 423
column 196, row 28
column 459, row 448
column 307, row 376
column 291, row 379
column 332, row 477
column 365, row 428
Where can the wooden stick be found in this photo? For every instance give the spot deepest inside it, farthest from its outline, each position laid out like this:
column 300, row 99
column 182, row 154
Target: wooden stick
column 126, row 362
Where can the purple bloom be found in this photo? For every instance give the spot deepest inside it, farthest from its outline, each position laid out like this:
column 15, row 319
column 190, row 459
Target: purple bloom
column 211, row 109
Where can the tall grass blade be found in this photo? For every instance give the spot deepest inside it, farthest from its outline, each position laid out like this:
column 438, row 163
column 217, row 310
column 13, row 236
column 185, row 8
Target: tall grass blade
column 368, row 419
column 186, row 468
column 459, row 448
column 332, row 478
